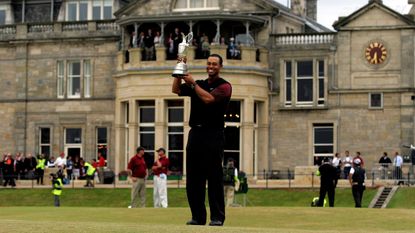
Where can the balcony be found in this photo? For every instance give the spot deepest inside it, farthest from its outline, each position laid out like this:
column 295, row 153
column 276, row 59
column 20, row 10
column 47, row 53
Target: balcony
column 251, row 59
column 318, row 40
column 59, row 30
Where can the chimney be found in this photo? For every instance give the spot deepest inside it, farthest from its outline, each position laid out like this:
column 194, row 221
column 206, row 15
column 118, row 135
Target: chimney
column 311, row 9
column 298, row 7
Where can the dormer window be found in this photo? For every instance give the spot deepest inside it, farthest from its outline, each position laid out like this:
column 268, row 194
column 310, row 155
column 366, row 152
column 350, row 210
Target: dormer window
column 195, row 5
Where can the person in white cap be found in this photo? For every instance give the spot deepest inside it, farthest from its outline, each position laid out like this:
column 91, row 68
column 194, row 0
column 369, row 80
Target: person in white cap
column 160, row 168
column 357, row 177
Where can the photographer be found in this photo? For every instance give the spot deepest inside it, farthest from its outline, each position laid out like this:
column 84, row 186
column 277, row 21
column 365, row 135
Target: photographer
column 56, row 188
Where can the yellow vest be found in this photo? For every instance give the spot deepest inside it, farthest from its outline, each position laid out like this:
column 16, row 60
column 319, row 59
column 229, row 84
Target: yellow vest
column 40, row 164
column 90, row 169
column 57, row 187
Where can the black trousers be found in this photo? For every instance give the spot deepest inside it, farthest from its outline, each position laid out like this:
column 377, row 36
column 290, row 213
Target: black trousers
column 357, row 191
column 329, row 189
column 204, row 163
column 39, row 175
column 9, row 179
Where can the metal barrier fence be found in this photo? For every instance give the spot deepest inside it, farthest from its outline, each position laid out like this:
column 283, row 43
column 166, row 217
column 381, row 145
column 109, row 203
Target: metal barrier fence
column 378, row 174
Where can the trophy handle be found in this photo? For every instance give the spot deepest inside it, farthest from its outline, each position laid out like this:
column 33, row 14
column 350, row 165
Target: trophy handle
column 188, row 38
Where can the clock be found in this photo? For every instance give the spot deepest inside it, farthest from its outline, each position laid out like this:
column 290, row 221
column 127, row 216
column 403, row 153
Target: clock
column 376, row 53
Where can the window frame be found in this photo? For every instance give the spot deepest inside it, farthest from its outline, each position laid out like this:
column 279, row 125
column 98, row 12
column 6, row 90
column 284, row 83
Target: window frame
column 102, row 4
column 64, row 78
column 70, row 78
column 370, row 100
column 189, row 8
column 78, row 10
column 98, row 144
column 40, row 144
column 175, row 124
column 316, row 125
column 317, row 101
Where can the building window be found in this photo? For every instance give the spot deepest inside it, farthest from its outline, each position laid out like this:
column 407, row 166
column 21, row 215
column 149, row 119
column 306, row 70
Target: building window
column 102, row 142
column 2, row 17
column 61, row 79
column 77, row 11
column 323, row 142
column 304, row 83
column 288, row 82
column 197, row 4
column 74, row 79
column 73, row 136
column 232, row 132
column 175, row 115
column 147, row 129
column 44, row 141
column 101, row 9
column 375, row 100
column 77, row 77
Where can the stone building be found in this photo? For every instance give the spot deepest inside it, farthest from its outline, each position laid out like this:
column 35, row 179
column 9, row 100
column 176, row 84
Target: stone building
column 75, row 78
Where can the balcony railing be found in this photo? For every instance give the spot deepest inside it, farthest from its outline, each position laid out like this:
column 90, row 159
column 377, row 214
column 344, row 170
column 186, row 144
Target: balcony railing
column 250, row 58
column 304, row 39
column 8, row 30
column 40, row 28
column 59, row 30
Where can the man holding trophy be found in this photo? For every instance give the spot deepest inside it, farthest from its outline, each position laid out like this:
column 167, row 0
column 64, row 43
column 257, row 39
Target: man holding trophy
column 209, row 102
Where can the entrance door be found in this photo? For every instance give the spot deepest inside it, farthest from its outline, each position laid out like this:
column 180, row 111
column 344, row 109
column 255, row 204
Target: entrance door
column 74, row 152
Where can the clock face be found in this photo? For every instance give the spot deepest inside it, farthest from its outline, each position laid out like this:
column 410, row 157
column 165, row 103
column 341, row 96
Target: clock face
column 376, row 53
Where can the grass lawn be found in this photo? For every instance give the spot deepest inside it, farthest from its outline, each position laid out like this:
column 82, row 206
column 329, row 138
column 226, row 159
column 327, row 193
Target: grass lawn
column 249, row 219
column 177, row 197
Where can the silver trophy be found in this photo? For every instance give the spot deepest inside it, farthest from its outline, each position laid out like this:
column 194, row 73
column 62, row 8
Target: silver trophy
column 181, row 67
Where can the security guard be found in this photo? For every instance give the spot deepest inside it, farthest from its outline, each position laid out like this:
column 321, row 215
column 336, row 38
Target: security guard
column 40, row 169
column 90, row 171
column 57, row 188
column 357, row 177
column 328, row 175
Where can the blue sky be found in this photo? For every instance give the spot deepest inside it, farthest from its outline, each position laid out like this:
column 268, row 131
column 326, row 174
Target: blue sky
column 328, row 11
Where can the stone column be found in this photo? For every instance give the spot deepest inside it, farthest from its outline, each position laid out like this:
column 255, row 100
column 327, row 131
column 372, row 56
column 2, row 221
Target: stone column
column 132, row 127
column 247, row 137
column 186, row 130
column 160, row 52
column 263, row 57
column 120, row 60
column 160, row 124
column 135, row 57
column 119, row 153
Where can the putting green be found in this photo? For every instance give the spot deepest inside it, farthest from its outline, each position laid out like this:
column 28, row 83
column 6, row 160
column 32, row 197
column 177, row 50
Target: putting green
column 250, row 219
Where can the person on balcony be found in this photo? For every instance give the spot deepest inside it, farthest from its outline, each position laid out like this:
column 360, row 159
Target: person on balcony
column 205, row 47
column 233, row 49
column 149, row 46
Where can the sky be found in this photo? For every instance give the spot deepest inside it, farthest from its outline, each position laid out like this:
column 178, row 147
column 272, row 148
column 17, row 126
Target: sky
column 329, row 11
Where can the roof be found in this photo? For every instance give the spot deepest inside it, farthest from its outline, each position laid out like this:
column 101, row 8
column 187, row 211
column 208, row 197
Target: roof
column 374, row 3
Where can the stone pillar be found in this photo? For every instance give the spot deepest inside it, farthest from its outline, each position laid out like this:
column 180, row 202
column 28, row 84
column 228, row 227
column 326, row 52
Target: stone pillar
column 120, row 60
column 135, row 57
column 160, row 124
column 263, row 57
column 119, row 153
column 191, row 54
column 248, row 54
column 21, row 31
column 132, row 127
column 92, row 26
column 186, row 130
column 218, row 49
column 247, row 137
column 160, row 52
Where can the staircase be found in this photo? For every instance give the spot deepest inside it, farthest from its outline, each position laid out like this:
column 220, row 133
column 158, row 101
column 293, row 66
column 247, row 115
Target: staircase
column 383, row 196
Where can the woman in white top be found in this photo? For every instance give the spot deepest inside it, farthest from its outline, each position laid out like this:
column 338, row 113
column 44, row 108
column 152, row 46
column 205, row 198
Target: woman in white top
column 347, row 164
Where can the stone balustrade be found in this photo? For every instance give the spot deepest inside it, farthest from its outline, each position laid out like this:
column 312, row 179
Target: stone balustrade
column 132, row 58
column 304, row 39
column 58, row 30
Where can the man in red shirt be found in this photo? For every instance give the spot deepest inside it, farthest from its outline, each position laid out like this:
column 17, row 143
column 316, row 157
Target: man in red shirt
column 101, row 165
column 160, row 179
column 138, row 172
